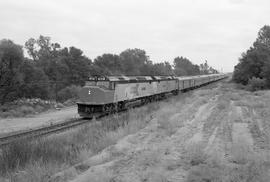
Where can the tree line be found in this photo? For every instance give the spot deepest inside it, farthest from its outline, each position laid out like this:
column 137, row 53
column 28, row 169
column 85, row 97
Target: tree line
column 253, row 68
column 50, row 68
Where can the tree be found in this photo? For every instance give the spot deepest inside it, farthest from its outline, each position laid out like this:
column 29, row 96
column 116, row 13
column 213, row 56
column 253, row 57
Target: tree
column 212, row 70
column 63, row 66
column 263, row 39
column 255, row 62
column 183, row 67
column 204, row 68
column 109, row 64
column 133, row 60
column 250, row 65
column 266, row 72
column 43, row 52
column 78, row 66
column 35, row 82
column 11, row 58
column 163, row 69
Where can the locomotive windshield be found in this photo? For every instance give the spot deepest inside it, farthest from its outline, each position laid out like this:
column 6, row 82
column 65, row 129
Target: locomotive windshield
column 100, row 81
column 90, row 83
column 102, row 84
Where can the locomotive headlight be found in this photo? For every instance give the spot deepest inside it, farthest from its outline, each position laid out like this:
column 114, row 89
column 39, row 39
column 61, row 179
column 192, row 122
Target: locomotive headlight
column 89, row 92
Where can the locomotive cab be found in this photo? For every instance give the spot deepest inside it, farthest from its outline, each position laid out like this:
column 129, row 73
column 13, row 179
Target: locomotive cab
column 94, row 96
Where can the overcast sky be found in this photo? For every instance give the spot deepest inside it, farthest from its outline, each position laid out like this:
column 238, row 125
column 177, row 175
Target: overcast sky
column 214, row 30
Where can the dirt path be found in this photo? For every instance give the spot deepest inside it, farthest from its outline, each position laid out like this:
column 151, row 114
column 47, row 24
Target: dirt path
column 210, row 136
column 16, row 124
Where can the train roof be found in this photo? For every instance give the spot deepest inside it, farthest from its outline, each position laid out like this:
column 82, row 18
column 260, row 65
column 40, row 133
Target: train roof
column 145, row 78
column 197, row 76
column 130, row 78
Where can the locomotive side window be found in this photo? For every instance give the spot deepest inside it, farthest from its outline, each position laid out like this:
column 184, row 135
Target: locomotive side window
column 104, row 84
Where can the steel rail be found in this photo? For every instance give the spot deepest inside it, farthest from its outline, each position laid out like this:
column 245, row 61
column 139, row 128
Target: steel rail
column 41, row 131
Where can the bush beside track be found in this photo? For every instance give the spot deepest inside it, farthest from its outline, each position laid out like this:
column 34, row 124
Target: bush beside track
column 24, row 107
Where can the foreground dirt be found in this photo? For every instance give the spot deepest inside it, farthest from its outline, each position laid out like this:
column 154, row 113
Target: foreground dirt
column 15, row 124
column 216, row 134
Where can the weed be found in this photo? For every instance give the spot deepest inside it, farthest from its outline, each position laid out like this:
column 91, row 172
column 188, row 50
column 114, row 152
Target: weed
column 240, row 152
column 25, row 110
column 204, row 173
column 196, row 154
column 234, row 96
column 165, row 121
column 255, row 169
column 149, row 158
column 154, row 175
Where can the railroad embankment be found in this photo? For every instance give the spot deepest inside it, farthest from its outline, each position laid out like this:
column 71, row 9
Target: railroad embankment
column 216, row 133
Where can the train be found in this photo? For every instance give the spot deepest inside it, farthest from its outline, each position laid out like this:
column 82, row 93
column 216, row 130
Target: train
column 109, row 94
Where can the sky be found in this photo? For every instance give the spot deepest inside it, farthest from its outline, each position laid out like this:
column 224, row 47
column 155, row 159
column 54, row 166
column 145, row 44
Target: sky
column 214, row 30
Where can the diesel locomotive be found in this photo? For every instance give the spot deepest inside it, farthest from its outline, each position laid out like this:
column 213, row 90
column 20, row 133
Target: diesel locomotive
column 107, row 94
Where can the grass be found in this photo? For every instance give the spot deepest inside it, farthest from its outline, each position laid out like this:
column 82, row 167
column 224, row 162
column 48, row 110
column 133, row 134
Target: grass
column 234, row 96
column 204, row 173
column 154, row 175
column 241, row 152
column 256, row 108
column 196, row 154
column 171, row 117
column 149, row 158
column 166, row 124
column 250, row 166
column 254, row 170
column 39, row 159
column 203, row 168
column 245, row 166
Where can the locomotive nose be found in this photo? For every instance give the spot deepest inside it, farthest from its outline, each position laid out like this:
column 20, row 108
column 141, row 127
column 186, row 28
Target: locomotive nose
column 95, row 95
column 91, row 95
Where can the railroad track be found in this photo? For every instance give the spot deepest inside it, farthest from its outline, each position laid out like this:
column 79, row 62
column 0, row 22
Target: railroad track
column 41, row 131
column 46, row 130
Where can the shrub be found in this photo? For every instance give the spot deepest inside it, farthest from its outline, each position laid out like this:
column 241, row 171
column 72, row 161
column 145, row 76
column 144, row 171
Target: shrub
column 24, row 106
column 24, row 110
column 68, row 93
column 256, row 84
